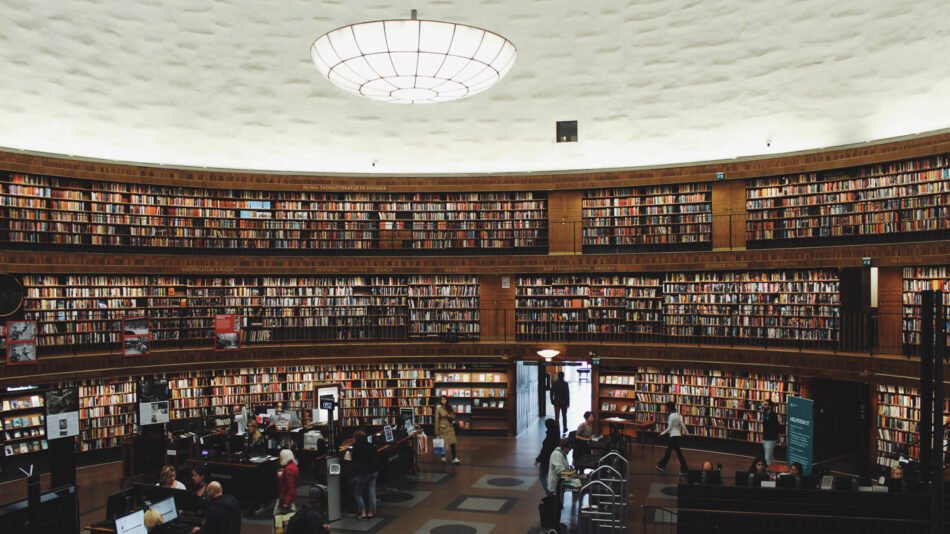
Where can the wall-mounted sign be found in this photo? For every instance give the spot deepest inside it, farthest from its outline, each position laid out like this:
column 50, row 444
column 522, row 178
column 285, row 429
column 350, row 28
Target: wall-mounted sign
column 135, row 336
column 21, row 342
column 227, row 332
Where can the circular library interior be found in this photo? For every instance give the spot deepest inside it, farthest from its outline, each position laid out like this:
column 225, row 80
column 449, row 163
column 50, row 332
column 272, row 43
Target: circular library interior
column 200, row 239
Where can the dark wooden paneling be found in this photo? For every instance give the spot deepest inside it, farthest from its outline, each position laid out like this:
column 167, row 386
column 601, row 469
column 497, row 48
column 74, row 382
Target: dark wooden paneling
column 890, row 369
column 890, row 302
column 728, row 210
column 497, row 308
column 735, row 169
column 892, row 255
column 564, row 222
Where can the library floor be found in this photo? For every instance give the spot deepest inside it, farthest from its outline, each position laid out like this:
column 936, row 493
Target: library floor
column 495, row 490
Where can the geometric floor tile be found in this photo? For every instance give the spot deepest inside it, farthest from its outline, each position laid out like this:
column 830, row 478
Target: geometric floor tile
column 660, row 490
column 428, row 477
column 402, row 498
column 453, row 526
column 354, row 525
column 474, row 503
column 507, row 482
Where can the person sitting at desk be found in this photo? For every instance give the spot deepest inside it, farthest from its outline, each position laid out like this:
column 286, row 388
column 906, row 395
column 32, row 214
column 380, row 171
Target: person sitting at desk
column 759, row 471
column 254, row 442
column 153, row 518
column 287, row 478
column 200, row 476
column 897, row 472
column 558, row 463
column 586, row 429
column 795, row 470
column 223, row 515
column 166, row 478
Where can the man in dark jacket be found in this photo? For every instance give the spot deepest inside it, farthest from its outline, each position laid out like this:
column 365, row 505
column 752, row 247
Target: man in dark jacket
column 561, row 399
column 223, row 515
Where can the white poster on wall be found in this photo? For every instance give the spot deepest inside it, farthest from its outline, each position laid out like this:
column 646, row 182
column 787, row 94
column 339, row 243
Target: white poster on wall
column 153, row 413
column 62, row 413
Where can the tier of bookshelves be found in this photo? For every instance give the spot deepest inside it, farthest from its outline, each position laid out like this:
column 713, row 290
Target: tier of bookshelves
column 479, row 398
column 918, row 279
column 370, row 395
column 577, row 305
column 898, row 414
column 75, row 311
column 789, row 306
column 647, row 217
column 61, row 212
column 23, row 423
column 874, row 202
column 713, row 403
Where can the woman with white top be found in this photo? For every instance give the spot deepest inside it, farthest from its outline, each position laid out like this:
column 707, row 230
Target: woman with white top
column 676, row 429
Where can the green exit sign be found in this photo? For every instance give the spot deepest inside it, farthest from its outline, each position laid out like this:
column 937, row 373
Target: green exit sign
column 720, row 176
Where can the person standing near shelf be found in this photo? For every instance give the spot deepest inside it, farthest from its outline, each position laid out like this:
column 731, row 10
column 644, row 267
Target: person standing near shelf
column 561, row 399
column 551, row 438
column 770, row 431
column 444, row 427
column 676, row 429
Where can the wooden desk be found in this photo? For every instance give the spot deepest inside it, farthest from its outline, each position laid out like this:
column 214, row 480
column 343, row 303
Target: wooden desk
column 252, row 484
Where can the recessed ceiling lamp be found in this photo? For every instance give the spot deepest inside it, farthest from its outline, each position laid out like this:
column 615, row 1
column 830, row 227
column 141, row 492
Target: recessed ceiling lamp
column 413, row 61
column 548, row 354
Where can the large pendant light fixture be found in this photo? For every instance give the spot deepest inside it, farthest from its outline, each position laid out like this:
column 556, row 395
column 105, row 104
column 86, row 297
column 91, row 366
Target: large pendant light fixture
column 412, row 61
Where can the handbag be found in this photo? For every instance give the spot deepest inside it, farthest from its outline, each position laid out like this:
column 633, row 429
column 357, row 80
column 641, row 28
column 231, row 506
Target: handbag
column 280, row 522
column 438, row 447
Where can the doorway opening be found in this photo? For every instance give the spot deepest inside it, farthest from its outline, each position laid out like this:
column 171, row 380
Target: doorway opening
column 578, row 378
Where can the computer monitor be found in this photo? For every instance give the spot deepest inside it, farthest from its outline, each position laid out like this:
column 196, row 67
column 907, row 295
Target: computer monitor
column 133, row 523
column 241, row 422
column 118, row 504
column 696, row 476
column 167, row 508
column 409, row 426
column 742, row 478
column 902, row 485
column 184, row 500
column 59, row 512
column 786, row 481
column 388, row 431
column 845, row 483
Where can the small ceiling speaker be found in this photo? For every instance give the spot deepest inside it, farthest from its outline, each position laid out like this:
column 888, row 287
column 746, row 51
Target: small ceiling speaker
column 11, row 294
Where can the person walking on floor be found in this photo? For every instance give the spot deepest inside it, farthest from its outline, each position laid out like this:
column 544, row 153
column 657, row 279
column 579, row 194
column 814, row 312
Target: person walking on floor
column 551, row 438
column 770, row 430
column 366, row 465
column 561, row 399
column 445, row 427
column 287, row 477
column 676, row 429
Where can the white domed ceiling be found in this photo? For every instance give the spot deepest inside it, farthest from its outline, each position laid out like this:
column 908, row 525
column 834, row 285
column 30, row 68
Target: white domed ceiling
column 230, row 84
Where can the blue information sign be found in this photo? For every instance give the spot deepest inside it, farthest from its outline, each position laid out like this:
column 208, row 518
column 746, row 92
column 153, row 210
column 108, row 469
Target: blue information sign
column 801, row 431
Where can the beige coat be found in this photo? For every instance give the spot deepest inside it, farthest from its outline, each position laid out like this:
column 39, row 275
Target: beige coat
column 443, row 425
